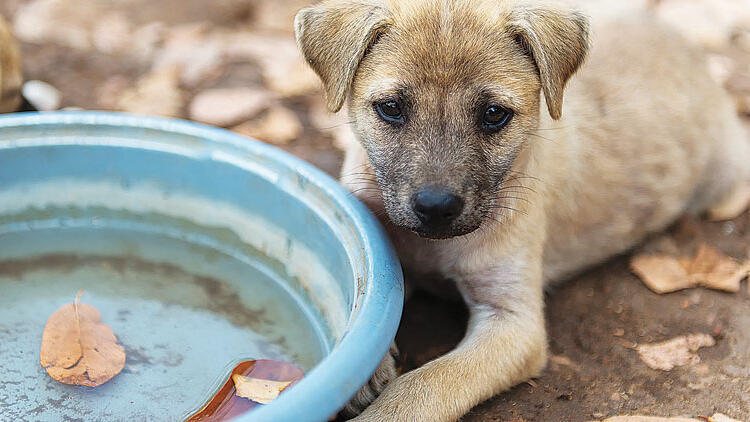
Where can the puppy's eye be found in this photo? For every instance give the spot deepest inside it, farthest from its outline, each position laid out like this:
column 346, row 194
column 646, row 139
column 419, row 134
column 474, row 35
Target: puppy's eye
column 495, row 118
column 390, row 111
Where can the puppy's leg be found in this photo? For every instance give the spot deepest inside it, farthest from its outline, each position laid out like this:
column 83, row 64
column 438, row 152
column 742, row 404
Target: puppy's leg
column 385, row 373
column 505, row 344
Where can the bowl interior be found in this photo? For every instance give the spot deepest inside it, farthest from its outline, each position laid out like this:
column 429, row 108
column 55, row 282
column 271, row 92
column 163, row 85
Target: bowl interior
column 198, row 253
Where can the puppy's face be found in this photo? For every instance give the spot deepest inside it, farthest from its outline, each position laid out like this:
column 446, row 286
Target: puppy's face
column 442, row 115
column 443, row 99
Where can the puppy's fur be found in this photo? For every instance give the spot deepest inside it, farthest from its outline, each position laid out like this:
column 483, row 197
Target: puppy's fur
column 10, row 70
column 641, row 135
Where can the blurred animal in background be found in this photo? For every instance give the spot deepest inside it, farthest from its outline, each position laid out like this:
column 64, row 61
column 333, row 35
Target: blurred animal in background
column 10, row 70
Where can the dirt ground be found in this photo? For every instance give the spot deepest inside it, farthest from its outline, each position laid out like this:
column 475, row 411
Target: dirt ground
column 158, row 57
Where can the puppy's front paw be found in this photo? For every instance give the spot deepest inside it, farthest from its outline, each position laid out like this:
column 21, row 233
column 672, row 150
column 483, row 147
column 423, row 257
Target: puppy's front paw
column 369, row 392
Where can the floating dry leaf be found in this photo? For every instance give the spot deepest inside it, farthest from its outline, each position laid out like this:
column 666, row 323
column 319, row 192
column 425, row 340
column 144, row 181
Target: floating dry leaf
column 679, row 351
column 258, row 390
column 77, row 348
column 226, row 404
column 709, row 268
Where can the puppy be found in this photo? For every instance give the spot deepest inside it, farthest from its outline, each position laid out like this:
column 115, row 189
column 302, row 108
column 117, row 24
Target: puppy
column 494, row 179
column 10, row 70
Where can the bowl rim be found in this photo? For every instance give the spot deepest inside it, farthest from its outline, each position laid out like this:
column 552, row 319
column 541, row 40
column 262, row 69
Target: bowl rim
column 334, row 380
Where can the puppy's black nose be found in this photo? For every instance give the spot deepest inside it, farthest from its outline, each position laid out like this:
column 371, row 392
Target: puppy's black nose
column 437, row 206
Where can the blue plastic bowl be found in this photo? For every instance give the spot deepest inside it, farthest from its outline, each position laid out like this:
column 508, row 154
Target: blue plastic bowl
column 201, row 248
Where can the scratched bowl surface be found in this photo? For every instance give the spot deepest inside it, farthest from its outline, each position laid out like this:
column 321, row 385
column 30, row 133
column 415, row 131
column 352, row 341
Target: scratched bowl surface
column 201, row 249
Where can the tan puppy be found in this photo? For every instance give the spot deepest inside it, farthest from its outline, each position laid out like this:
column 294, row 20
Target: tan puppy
column 464, row 137
column 10, row 70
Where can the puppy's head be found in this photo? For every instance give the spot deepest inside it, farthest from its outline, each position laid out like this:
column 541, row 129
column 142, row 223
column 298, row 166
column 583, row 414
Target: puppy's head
column 444, row 94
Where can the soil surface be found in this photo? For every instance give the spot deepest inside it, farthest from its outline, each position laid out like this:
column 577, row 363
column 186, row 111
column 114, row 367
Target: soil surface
column 594, row 321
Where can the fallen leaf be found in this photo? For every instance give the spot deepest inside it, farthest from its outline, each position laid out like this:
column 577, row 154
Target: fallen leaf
column 709, row 268
column 226, row 405
column 258, row 390
column 679, row 351
column 661, row 273
column 77, row 348
column 712, row 269
column 719, row 417
column 647, row 419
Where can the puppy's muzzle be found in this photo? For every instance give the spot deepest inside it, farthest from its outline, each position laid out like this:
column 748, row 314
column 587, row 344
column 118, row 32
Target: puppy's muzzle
column 436, row 207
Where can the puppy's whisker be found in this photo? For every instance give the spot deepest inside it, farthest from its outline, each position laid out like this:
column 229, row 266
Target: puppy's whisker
column 505, row 188
column 514, row 197
column 336, row 126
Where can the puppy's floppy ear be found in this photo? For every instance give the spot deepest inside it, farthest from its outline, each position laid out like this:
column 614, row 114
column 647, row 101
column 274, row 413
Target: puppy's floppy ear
column 558, row 41
column 334, row 37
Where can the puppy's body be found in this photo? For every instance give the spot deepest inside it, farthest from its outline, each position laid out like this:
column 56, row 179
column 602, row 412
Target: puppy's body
column 645, row 136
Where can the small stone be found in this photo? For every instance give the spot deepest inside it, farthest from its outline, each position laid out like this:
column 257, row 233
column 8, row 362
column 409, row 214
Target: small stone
column 228, row 106
column 277, row 126
column 41, row 95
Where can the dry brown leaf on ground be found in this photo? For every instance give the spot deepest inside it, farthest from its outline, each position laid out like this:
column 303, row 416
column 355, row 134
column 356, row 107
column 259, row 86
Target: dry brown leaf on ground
column 709, row 268
column 661, row 273
column 77, row 348
column 647, row 419
column 258, row 390
column 679, row 351
column 720, row 417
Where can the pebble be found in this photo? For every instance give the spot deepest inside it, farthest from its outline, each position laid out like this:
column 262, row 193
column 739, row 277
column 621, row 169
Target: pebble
column 41, row 95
